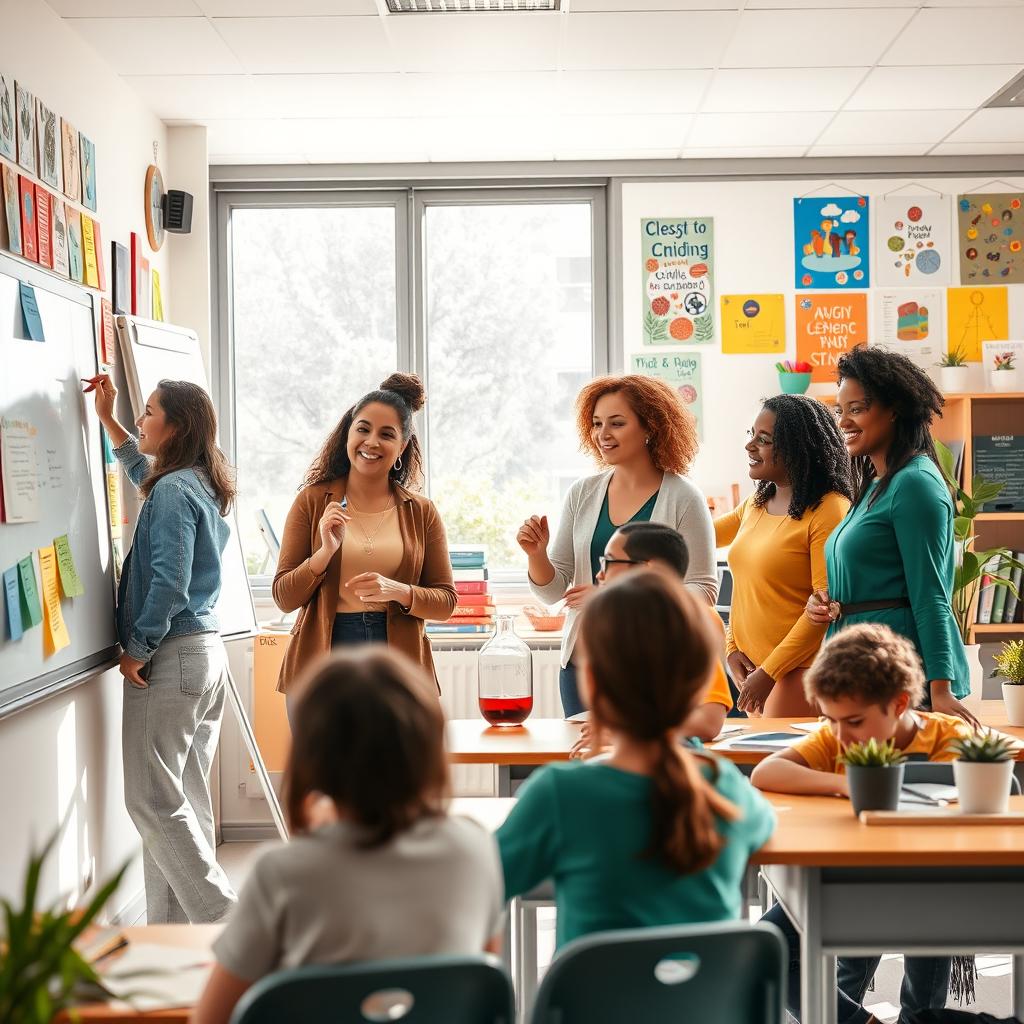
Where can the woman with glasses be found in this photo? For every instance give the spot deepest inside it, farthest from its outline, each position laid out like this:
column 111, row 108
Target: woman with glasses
column 638, row 430
column 776, row 544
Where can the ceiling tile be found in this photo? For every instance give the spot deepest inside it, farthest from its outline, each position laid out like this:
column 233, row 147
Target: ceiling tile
column 600, row 153
column 972, row 3
column 228, row 158
column 125, row 8
column 158, row 46
column 499, row 94
column 308, row 45
column 743, row 152
column 195, row 97
column 1002, row 124
column 357, row 95
column 931, row 88
column 639, row 6
column 766, row 5
column 855, row 149
column 974, row 35
column 977, row 148
column 779, row 89
column 621, row 132
column 746, row 130
column 868, row 127
column 814, row 38
column 623, row 92
column 600, row 41
column 471, row 42
column 506, row 138
column 293, row 8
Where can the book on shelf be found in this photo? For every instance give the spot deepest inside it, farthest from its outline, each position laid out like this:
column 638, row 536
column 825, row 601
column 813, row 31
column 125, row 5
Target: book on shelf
column 471, row 620
column 468, row 575
column 985, row 598
column 476, row 588
column 472, row 608
column 467, row 559
column 999, row 597
column 1012, row 598
column 459, row 627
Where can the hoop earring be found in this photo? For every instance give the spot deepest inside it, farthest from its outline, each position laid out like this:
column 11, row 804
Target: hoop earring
column 398, row 464
column 647, row 440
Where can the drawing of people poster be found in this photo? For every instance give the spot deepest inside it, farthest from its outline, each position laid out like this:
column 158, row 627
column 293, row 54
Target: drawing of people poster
column 831, row 238
column 914, row 239
column 681, row 371
column 990, row 232
column 910, row 321
column 678, row 270
column 976, row 315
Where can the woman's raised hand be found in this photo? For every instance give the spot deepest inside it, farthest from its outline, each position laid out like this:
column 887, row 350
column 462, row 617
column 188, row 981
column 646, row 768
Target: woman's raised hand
column 533, row 535
column 332, row 527
column 105, row 393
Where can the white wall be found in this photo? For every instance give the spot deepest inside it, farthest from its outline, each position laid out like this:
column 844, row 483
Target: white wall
column 63, row 757
column 753, row 253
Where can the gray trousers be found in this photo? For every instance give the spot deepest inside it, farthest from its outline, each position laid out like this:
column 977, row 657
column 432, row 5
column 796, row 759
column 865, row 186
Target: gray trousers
column 169, row 736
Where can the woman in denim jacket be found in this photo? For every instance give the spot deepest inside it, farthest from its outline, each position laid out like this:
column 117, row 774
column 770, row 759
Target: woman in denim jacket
column 174, row 663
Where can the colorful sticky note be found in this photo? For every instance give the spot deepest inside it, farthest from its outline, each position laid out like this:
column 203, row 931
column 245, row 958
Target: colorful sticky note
column 70, row 582
column 14, row 628
column 30, row 312
column 55, row 630
column 30, row 609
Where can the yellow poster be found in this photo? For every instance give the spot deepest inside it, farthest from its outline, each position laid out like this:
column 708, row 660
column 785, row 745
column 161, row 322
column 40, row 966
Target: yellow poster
column 55, row 631
column 92, row 270
column 974, row 315
column 753, row 323
column 158, row 301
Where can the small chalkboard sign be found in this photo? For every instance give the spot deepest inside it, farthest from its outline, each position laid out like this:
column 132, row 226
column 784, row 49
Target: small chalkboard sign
column 1000, row 458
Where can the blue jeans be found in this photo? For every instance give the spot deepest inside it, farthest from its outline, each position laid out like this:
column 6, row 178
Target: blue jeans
column 567, row 689
column 359, row 628
column 925, row 978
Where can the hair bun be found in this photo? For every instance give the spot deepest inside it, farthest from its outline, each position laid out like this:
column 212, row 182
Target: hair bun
column 409, row 386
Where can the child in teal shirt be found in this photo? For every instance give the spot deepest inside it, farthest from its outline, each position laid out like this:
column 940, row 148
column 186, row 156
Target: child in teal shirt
column 654, row 834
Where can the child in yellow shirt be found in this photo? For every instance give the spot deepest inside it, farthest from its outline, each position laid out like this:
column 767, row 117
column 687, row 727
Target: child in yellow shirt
column 867, row 681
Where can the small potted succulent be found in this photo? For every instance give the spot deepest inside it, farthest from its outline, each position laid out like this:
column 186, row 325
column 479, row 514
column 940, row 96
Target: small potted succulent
column 1005, row 376
column 1010, row 665
column 953, row 371
column 874, row 775
column 982, row 771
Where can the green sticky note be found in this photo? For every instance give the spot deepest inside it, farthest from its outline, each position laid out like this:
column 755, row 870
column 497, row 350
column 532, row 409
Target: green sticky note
column 31, row 611
column 70, row 582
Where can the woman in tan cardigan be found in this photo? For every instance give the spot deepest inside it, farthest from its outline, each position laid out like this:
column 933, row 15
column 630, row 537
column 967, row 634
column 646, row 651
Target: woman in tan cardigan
column 363, row 558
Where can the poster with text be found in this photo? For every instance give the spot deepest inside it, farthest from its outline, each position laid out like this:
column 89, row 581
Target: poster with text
column 827, row 325
column 681, row 371
column 910, row 321
column 974, row 315
column 914, row 240
column 678, row 265
column 831, row 242
column 753, row 324
column 990, row 233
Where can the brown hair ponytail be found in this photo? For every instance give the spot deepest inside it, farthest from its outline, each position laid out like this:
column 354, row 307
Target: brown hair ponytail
column 649, row 651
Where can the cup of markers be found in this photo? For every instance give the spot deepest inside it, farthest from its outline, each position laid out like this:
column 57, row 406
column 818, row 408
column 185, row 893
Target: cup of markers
column 794, row 378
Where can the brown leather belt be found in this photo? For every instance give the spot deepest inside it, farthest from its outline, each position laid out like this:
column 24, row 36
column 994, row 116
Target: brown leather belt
column 837, row 610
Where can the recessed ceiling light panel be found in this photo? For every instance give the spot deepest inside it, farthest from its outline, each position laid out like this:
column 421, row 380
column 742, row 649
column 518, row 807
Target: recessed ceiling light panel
column 470, row 6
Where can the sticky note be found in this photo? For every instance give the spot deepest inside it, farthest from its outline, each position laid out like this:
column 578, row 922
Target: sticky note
column 55, row 630
column 30, row 312
column 30, row 610
column 70, row 582
column 14, row 629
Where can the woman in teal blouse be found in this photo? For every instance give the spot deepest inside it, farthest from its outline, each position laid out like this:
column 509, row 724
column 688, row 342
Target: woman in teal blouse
column 891, row 559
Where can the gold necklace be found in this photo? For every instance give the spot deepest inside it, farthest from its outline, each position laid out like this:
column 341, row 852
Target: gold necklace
column 368, row 538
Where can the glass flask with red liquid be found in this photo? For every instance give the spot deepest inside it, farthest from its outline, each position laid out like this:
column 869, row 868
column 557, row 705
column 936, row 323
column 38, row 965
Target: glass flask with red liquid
column 506, row 676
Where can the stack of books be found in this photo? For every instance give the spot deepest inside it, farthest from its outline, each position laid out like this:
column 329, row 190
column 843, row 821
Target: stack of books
column 999, row 604
column 474, row 612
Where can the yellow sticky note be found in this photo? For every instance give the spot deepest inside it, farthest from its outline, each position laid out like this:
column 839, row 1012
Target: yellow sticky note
column 753, row 323
column 974, row 315
column 55, row 630
column 92, row 270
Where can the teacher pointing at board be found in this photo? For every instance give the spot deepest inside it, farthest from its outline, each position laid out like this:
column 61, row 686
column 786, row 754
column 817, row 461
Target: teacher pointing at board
column 174, row 663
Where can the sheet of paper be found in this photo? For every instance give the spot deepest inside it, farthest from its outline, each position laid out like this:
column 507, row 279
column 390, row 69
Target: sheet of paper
column 30, row 312
column 152, row 977
column 30, row 609
column 807, row 726
column 70, row 582
column 20, row 470
column 13, row 602
column 55, row 630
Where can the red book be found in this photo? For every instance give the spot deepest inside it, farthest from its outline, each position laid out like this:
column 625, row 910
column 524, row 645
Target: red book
column 99, row 256
column 471, row 586
column 471, row 620
column 27, row 195
column 466, row 608
column 44, row 227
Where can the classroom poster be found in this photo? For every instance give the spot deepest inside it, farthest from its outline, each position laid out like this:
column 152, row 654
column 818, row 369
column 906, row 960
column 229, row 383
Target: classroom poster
column 681, row 371
column 753, row 324
column 51, row 168
column 914, row 240
column 71, row 160
column 990, row 232
column 678, row 268
column 974, row 315
column 8, row 143
column 76, row 258
column 19, row 468
column 25, row 103
column 832, row 242
column 910, row 321
column 1001, row 357
column 827, row 325
column 12, row 209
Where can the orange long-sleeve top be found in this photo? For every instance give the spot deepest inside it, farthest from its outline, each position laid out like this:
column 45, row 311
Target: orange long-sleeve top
column 776, row 563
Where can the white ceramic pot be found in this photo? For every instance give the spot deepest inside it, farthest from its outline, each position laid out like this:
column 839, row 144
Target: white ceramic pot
column 954, row 379
column 983, row 787
column 1005, row 380
column 973, row 654
column 1013, row 699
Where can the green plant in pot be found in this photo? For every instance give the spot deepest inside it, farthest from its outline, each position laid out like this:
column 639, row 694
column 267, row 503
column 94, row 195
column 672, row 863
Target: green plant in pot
column 40, row 970
column 982, row 771
column 1010, row 665
column 874, row 775
column 953, row 371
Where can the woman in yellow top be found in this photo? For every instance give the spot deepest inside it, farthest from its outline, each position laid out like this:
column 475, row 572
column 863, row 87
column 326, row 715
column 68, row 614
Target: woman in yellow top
column 776, row 544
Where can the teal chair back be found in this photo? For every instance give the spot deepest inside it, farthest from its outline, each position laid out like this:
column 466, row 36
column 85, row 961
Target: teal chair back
column 424, row 990
column 729, row 973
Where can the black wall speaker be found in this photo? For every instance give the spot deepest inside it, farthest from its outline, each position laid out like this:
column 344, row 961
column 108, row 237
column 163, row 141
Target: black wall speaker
column 177, row 211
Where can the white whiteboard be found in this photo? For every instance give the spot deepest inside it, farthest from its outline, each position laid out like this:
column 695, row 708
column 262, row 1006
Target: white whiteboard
column 152, row 351
column 40, row 383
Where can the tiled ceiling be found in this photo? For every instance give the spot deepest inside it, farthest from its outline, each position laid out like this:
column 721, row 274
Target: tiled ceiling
column 340, row 81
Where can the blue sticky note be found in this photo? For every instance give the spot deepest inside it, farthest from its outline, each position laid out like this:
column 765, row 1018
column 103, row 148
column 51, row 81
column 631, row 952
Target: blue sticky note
column 30, row 312
column 13, row 606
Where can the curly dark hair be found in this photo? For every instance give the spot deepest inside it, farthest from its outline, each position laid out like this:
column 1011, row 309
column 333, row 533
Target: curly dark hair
column 404, row 393
column 894, row 381
column 808, row 444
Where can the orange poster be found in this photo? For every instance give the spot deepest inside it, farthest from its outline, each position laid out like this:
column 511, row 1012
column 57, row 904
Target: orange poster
column 827, row 325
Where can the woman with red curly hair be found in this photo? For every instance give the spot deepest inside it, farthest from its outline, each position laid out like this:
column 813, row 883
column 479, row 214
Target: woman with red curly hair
column 635, row 427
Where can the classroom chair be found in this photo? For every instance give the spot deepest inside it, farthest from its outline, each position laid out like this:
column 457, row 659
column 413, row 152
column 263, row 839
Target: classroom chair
column 420, row 990
column 729, row 973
